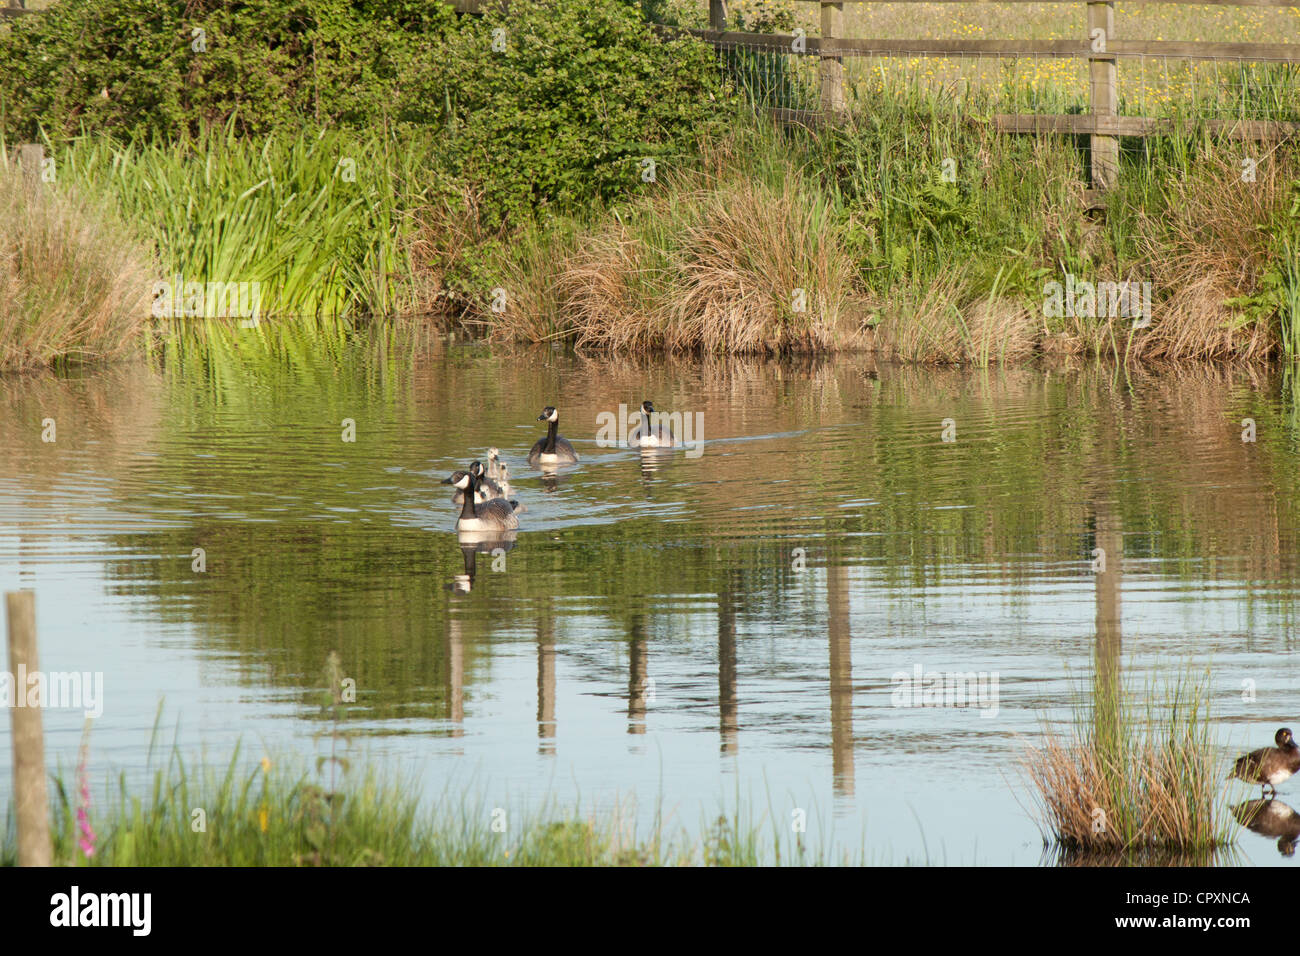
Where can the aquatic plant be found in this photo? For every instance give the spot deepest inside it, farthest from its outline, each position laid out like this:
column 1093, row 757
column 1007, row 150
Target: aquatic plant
column 1138, row 771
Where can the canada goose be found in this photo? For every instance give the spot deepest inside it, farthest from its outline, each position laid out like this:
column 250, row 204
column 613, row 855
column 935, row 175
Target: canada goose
column 494, row 463
column 647, row 435
column 1269, row 766
column 496, row 514
column 485, row 489
column 553, row 449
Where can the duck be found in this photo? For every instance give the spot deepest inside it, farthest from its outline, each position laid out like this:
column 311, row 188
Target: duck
column 485, row 488
column 647, row 435
column 1269, row 766
column 495, row 514
column 552, row 449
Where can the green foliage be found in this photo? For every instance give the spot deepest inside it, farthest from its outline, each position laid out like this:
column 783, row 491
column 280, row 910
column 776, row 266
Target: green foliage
column 312, row 218
column 565, row 108
column 141, row 66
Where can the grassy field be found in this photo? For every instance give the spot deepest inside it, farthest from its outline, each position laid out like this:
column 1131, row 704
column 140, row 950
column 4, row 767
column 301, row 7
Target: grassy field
column 1152, row 86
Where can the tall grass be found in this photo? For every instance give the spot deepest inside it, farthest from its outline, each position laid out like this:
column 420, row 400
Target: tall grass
column 1137, row 773
column 276, row 813
column 318, row 219
column 74, row 281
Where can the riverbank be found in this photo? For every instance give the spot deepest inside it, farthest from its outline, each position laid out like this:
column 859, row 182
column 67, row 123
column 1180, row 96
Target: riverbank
column 670, row 216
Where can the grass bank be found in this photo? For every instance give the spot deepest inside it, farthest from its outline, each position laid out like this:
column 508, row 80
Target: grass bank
column 73, row 277
column 642, row 204
column 273, row 813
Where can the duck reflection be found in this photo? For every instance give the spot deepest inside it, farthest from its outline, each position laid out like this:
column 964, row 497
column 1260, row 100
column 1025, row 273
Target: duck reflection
column 550, row 480
column 1271, row 817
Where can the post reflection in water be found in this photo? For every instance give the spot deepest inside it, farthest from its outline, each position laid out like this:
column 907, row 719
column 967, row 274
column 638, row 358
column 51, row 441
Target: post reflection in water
column 841, row 668
column 1108, row 570
column 546, row 679
column 637, row 665
column 455, row 677
column 728, row 706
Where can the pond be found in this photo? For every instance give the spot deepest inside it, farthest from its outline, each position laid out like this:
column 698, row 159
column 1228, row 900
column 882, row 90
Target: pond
column 739, row 622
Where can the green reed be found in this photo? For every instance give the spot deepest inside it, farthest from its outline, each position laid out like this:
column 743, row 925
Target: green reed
column 1139, row 770
column 316, row 219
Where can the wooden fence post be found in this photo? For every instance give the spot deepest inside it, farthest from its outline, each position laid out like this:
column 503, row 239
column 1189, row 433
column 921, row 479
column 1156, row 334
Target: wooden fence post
column 31, row 800
column 832, row 64
column 717, row 15
column 1103, row 94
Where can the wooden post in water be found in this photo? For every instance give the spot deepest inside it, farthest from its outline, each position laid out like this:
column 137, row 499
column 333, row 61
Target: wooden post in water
column 31, row 156
column 832, row 65
column 1103, row 93
column 31, row 800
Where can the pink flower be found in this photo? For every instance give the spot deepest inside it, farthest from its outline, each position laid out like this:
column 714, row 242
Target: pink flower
column 86, row 840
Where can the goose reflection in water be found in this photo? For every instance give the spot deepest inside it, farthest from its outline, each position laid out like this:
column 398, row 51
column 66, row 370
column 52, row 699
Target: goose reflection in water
column 1271, row 818
column 652, row 458
column 474, row 543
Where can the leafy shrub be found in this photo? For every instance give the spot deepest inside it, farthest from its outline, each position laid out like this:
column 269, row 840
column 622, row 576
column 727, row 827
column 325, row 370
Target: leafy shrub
column 566, row 106
column 141, row 66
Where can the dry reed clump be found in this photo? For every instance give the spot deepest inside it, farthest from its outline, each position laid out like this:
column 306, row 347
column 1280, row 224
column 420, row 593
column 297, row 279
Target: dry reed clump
column 1213, row 241
column 74, row 282
column 743, row 268
column 943, row 322
column 762, row 271
column 607, row 287
column 1153, row 808
column 1125, row 786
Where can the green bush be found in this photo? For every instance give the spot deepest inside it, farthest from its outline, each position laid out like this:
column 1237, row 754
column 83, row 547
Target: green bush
column 565, row 108
column 139, row 67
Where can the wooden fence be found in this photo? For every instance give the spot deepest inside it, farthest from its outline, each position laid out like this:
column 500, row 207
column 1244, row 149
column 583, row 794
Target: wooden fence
column 1100, row 47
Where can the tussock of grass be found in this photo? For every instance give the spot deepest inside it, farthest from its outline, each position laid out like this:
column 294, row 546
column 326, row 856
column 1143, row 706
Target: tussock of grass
column 74, row 282
column 732, row 264
column 1133, row 781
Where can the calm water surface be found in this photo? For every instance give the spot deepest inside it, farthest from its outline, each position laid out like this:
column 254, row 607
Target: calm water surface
column 668, row 634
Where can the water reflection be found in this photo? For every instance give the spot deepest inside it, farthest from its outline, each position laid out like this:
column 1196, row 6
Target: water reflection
column 968, row 554
column 841, row 685
column 638, row 680
column 546, row 726
column 1271, row 818
column 728, row 701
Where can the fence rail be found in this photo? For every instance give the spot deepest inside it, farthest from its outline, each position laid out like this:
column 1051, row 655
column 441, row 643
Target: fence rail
column 1099, row 47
